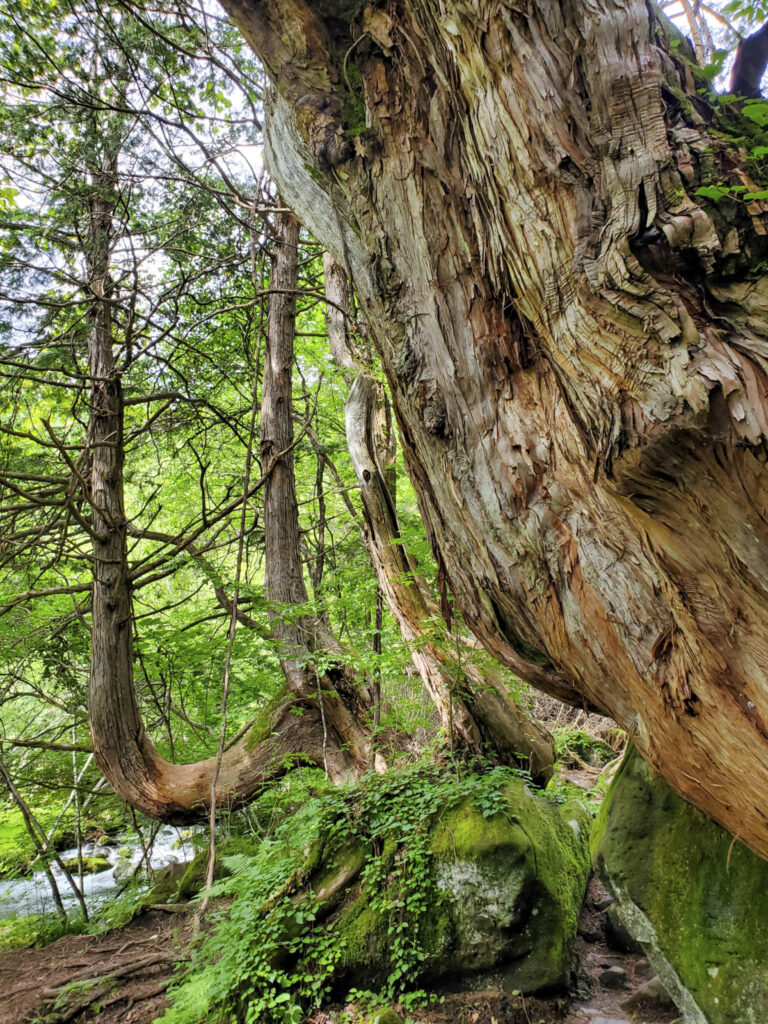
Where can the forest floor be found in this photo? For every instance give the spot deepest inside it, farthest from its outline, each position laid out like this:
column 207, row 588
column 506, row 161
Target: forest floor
column 610, row 986
column 121, row 978
column 116, row 978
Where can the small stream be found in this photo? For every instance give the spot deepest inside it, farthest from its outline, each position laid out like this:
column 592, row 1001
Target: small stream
column 31, row 894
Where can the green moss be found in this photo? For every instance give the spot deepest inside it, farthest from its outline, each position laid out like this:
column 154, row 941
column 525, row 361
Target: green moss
column 386, row 1016
column 464, row 834
column 166, row 885
column 353, row 114
column 506, row 899
column 697, row 900
column 339, row 869
column 362, row 933
column 193, row 880
column 261, row 729
column 91, row 865
column 404, row 880
column 576, row 745
column 560, row 790
column 529, row 863
column 315, row 175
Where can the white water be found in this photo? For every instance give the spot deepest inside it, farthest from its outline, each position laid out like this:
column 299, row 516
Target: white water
column 20, row 897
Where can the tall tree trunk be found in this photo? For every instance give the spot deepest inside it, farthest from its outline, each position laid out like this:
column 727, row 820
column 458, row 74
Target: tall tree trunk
column 474, row 705
column 306, row 640
column 574, row 340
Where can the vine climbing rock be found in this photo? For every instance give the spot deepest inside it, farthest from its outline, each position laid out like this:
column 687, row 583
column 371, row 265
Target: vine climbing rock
column 501, row 897
column 692, row 895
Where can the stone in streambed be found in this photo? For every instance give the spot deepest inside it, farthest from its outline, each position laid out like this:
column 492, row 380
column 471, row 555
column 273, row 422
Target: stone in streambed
column 91, row 865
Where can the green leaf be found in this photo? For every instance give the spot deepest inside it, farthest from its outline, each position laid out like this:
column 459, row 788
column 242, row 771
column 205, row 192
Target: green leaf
column 714, row 192
column 757, row 111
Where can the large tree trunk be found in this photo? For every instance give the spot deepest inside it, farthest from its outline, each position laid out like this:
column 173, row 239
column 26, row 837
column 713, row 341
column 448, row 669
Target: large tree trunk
column 574, row 342
column 475, row 706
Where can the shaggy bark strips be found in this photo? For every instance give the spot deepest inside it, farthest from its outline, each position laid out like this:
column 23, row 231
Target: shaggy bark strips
column 574, row 341
column 474, row 706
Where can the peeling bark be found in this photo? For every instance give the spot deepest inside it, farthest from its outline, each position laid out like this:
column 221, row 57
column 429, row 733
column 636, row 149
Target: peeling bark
column 475, row 707
column 575, row 343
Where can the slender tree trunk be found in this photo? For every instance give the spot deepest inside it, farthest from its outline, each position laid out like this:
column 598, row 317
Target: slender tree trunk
column 474, row 706
column 574, row 339
column 29, row 824
column 306, row 640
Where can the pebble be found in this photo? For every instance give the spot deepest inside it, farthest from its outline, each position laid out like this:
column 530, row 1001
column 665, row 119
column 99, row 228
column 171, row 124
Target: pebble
column 614, row 977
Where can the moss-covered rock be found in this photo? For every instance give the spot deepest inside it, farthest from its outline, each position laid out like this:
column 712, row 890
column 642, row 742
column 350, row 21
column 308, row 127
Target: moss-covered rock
column 431, row 877
column 693, row 897
column 575, row 746
column 504, row 904
column 386, row 1016
column 91, row 865
column 193, row 880
column 166, row 885
column 560, row 788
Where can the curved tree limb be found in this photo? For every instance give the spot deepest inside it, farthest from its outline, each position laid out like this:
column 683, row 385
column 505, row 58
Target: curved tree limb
column 318, row 719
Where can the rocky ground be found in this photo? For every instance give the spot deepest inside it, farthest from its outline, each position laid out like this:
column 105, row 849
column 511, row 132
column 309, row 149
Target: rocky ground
column 122, row 977
column 613, row 984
